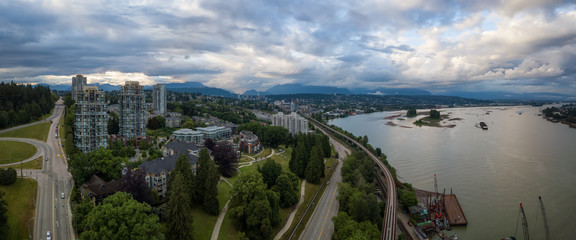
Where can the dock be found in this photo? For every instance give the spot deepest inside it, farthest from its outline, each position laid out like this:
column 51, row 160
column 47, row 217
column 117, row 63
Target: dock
column 454, row 211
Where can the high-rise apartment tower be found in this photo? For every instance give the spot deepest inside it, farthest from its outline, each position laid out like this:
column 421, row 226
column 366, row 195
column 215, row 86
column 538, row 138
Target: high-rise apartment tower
column 78, row 84
column 90, row 120
column 159, row 98
column 132, row 110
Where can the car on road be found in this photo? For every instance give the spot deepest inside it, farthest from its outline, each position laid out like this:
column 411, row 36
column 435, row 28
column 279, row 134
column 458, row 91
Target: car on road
column 48, row 236
column 62, row 195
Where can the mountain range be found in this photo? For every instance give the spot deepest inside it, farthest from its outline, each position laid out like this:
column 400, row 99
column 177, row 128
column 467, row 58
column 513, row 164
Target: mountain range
column 196, row 87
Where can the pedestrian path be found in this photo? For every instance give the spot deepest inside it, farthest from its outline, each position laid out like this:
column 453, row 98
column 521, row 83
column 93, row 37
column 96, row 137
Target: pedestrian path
column 292, row 213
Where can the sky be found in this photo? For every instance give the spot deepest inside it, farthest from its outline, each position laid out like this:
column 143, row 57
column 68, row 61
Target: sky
column 436, row 45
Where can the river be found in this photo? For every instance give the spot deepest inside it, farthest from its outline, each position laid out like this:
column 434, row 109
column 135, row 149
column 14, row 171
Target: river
column 520, row 157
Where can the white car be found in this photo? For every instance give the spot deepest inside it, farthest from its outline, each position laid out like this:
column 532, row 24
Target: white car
column 62, row 195
column 48, row 236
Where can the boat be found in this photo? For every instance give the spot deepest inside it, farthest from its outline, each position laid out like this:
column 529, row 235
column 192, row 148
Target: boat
column 483, row 125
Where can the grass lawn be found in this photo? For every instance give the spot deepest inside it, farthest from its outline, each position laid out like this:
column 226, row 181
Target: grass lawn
column 13, row 151
column 223, row 194
column 203, row 223
column 21, row 198
column 36, row 164
column 38, row 131
column 227, row 230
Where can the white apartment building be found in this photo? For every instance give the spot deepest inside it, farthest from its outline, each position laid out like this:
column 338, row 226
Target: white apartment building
column 293, row 122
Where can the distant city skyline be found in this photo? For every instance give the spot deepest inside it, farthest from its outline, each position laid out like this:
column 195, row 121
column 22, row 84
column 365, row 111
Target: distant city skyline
column 436, row 45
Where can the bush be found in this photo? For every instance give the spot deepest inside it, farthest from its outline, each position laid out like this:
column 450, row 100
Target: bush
column 8, row 176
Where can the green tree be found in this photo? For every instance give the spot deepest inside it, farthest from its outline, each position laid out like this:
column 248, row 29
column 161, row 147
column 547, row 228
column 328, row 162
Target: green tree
column 434, row 114
column 184, row 169
column 4, row 227
column 270, row 171
column 411, row 113
column 314, row 169
column 274, row 135
column 346, row 228
column 188, row 124
column 81, row 210
column 326, row 146
column 300, row 161
column 113, row 123
column 207, row 179
column 364, row 207
column 252, row 207
column 178, row 211
column 121, row 217
column 106, row 165
column 3, row 119
column 287, row 187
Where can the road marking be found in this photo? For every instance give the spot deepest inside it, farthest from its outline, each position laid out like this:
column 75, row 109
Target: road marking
column 329, row 207
column 53, row 219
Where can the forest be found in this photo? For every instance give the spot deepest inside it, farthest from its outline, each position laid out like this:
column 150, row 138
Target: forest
column 20, row 104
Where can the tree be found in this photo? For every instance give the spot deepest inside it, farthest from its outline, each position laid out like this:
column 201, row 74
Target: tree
column 113, row 123
column 4, row 227
column 184, row 169
column 134, row 182
column 225, row 156
column 314, row 169
column 270, row 171
column 326, row 146
column 411, row 113
column 3, row 119
column 364, row 207
column 274, row 135
column 211, row 204
column 107, row 165
column 188, row 124
column 80, row 168
column 81, row 210
column 206, row 187
column 300, row 161
column 434, row 114
column 121, row 217
column 178, row 211
column 346, row 228
column 8, row 176
column 252, row 206
column 378, row 152
column 210, row 144
column 287, row 186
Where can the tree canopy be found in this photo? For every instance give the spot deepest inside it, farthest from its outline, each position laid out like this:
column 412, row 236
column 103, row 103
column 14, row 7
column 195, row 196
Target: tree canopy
column 20, row 104
column 226, row 157
column 121, row 217
column 287, row 186
column 253, row 208
column 270, row 171
column 179, row 212
column 4, row 227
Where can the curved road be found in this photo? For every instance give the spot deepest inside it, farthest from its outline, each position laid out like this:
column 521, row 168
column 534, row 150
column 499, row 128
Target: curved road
column 42, row 149
column 389, row 223
column 52, row 212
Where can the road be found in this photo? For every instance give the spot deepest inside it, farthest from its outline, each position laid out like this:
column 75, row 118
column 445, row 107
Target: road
column 320, row 225
column 52, row 212
column 389, row 223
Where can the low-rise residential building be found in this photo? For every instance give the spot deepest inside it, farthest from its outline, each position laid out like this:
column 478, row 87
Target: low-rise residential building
column 248, row 142
column 173, row 119
column 97, row 189
column 215, row 132
column 188, row 135
column 158, row 169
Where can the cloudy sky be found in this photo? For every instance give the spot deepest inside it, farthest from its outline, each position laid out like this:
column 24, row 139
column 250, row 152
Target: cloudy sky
column 467, row 45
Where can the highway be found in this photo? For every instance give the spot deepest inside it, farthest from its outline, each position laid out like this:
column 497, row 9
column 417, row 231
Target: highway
column 389, row 223
column 52, row 212
column 320, row 225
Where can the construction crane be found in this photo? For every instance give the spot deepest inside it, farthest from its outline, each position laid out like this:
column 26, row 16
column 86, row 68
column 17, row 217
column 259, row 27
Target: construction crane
column 546, row 227
column 524, row 223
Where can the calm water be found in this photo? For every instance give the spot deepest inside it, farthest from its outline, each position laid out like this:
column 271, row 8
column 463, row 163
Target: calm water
column 518, row 159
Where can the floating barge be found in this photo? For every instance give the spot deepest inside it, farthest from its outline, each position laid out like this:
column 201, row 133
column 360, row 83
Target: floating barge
column 454, row 211
column 448, row 204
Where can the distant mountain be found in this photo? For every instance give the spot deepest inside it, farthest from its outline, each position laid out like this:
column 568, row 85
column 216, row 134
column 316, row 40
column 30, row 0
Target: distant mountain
column 299, row 89
column 106, row 87
column 512, row 96
column 391, row 91
column 61, row 87
column 184, row 85
column 255, row 93
column 207, row 91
